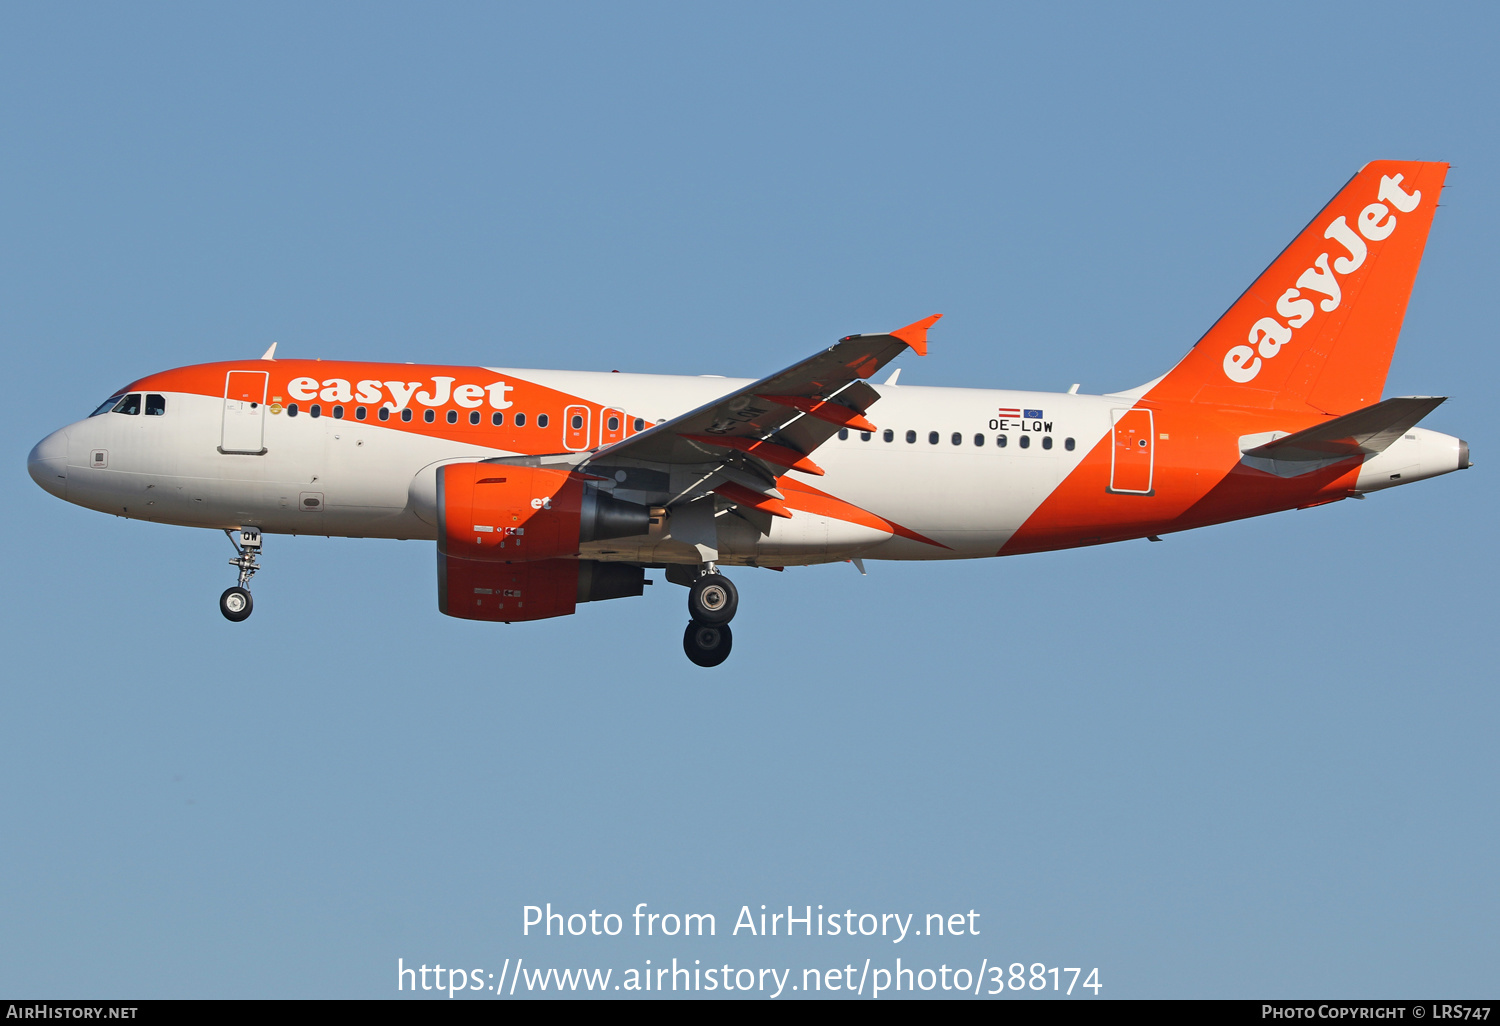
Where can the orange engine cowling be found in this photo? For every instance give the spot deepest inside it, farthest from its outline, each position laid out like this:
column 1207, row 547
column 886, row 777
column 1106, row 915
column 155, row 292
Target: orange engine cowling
column 497, row 512
column 474, row 589
column 508, row 541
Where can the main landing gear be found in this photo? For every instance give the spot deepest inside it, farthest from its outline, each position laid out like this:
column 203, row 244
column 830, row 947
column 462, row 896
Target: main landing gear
column 712, row 602
column 236, row 603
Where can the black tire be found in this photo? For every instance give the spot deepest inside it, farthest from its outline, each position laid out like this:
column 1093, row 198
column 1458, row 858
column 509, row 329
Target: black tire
column 236, row 604
column 707, row 644
column 713, row 598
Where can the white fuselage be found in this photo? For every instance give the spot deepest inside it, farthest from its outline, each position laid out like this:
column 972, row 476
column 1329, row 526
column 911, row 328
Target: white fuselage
column 365, row 479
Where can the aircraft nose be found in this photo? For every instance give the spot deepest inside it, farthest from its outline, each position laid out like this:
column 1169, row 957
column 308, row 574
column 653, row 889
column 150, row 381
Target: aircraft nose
column 48, row 463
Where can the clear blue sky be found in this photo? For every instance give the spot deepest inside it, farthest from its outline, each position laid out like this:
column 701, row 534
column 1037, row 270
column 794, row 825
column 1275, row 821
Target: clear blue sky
column 1257, row 759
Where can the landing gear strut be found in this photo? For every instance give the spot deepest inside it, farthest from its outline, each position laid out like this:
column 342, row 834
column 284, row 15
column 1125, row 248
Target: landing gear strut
column 236, row 603
column 712, row 602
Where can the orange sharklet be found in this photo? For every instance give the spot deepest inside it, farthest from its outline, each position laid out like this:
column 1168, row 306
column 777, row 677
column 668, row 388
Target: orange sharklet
column 915, row 334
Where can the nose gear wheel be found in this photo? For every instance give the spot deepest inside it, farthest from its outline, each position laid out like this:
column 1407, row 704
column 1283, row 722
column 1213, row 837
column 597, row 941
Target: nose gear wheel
column 236, row 603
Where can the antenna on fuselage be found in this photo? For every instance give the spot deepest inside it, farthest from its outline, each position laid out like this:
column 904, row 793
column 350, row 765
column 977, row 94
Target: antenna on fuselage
column 269, row 354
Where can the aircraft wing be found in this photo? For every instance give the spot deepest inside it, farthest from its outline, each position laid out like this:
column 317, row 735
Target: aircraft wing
column 756, row 434
column 1361, row 433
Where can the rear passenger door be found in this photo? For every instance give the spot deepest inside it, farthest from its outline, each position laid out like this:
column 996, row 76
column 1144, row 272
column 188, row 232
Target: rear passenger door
column 1132, row 458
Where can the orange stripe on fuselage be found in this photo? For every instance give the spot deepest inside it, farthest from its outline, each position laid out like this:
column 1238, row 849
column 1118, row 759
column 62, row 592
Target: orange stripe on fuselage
column 804, row 497
column 521, row 397
column 1198, row 481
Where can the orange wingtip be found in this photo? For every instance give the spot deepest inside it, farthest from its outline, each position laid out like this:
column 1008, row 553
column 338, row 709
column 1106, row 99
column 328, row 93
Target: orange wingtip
column 915, row 335
column 745, row 497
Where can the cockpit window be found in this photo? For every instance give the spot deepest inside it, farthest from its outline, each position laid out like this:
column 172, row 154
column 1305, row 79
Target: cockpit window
column 107, row 405
column 129, row 405
column 156, row 405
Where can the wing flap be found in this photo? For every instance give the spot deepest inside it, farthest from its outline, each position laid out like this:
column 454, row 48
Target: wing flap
column 742, row 496
column 777, row 455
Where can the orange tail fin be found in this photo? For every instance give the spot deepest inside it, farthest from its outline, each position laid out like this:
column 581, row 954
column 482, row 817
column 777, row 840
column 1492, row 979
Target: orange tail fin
column 1318, row 327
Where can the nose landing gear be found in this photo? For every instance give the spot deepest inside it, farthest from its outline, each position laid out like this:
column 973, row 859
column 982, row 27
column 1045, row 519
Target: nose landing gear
column 712, row 602
column 236, row 603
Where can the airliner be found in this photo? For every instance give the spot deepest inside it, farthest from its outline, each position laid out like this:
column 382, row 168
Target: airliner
column 544, row 489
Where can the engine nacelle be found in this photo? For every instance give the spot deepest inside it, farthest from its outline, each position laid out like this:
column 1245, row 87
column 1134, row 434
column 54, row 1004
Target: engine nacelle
column 474, row 589
column 496, row 512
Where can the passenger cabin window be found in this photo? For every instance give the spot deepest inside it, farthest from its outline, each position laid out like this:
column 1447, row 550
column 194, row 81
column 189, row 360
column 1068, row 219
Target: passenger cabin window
column 1068, row 444
column 520, row 420
column 315, row 410
column 1026, row 441
column 843, row 434
column 429, row 416
column 497, row 419
column 1046, row 441
column 889, row 435
column 979, row 440
column 291, row 409
column 338, row 413
column 1002, row 441
column 958, row 439
column 474, row 417
column 911, row 438
column 156, row 405
column 614, row 423
column 385, row 413
column 932, row 438
column 360, row 413
column 541, row 420
column 640, row 424
column 107, row 406
column 452, row 416
column 864, row 436
column 130, row 405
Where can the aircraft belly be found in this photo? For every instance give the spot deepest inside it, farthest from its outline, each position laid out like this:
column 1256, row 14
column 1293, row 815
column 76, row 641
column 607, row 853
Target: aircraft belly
column 806, row 538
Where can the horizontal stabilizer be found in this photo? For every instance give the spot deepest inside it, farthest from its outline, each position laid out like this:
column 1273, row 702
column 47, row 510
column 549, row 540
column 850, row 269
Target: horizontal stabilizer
column 1361, row 433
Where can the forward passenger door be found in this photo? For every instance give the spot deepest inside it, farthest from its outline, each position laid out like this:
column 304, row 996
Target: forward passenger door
column 244, row 413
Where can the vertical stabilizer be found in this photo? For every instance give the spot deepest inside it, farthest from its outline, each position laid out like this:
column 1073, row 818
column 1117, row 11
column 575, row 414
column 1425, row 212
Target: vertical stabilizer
column 1317, row 329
